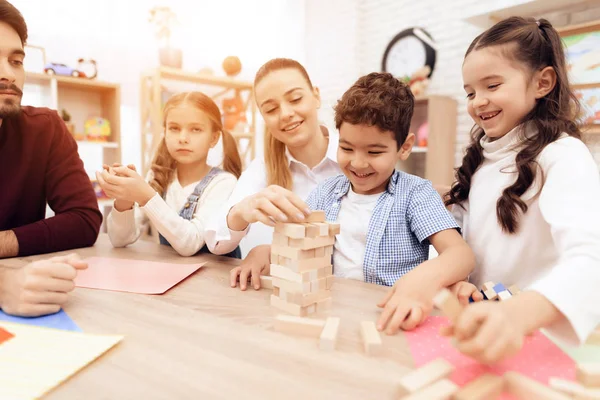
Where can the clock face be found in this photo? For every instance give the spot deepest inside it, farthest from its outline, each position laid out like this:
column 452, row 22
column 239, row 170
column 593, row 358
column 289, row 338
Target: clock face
column 405, row 57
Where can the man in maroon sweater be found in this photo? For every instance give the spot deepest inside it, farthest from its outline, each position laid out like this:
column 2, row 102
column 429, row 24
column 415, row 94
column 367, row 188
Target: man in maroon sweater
column 38, row 164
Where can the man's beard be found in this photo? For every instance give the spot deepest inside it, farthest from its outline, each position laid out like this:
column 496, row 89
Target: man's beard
column 10, row 106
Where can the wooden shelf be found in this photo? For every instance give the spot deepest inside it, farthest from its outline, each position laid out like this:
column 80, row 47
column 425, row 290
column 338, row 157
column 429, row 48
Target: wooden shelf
column 419, row 149
column 69, row 82
column 532, row 8
column 205, row 79
column 591, row 130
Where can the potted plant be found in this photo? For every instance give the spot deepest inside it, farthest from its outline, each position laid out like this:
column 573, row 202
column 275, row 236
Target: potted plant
column 67, row 118
column 164, row 19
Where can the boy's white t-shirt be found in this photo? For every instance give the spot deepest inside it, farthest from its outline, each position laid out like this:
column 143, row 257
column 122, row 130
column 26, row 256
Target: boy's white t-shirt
column 350, row 244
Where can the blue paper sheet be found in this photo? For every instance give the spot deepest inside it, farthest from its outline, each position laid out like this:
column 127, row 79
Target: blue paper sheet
column 59, row 320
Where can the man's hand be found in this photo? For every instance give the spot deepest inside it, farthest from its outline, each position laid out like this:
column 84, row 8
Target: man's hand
column 39, row 288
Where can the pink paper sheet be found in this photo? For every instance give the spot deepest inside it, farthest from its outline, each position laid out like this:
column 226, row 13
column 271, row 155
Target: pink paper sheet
column 539, row 359
column 147, row 277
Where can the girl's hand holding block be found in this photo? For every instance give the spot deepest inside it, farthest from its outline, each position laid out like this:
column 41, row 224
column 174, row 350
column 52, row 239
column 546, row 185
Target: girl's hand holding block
column 464, row 291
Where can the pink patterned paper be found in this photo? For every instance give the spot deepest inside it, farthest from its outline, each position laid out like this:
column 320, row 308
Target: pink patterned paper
column 539, row 359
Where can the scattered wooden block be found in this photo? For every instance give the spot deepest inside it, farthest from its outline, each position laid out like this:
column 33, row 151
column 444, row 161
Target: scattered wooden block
column 574, row 389
column 334, row 229
column 424, row 376
column 485, row 387
column 504, row 295
column 371, row 338
column 588, row 374
column 299, row 325
column 448, row 304
column 293, row 309
column 295, row 231
column 514, row 290
column 488, row 285
column 526, row 388
column 266, row 282
column 329, row 334
column 316, row 216
column 440, row 390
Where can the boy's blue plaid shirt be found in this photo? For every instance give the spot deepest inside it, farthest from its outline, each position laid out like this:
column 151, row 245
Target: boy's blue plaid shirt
column 405, row 215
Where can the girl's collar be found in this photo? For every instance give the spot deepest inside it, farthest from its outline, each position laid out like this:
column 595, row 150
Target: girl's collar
column 509, row 142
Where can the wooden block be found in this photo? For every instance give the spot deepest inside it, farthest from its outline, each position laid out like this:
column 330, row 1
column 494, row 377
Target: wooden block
column 526, row 388
column 316, row 216
column 594, row 338
column 266, row 282
column 574, row 389
column 312, row 243
column 488, row 285
column 324, row 305
column 290, row 286
column 280, row 239
column 304, row 300
column 295, row 231
column 289, row 274
column 299, row 325
column 440, row 390
column 424, row 376
column 514, row 290
column 312, row 230
column 371, row 338
column 334, row 229
column 293, row 309
column 318, row 285
column 323, row 228
column 448, row 304
column 485, row 387
column 276, row 291
column 305, row 265
column 490, row 294
column 588, row 374
column 293, row 253
column 329, row 282
column 320, row 252
column 329, row 334
column 329, row 250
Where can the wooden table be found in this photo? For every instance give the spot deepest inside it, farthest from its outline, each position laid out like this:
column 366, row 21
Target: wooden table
column 205, row 340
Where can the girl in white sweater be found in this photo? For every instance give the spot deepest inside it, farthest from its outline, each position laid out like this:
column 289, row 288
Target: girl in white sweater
column 527, row 194
column 182, row 191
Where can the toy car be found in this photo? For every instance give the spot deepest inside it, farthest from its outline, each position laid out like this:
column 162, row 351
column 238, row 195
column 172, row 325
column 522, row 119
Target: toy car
column 62, row 69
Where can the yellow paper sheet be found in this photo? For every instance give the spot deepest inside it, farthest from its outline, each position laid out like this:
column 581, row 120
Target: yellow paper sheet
column 39, row 359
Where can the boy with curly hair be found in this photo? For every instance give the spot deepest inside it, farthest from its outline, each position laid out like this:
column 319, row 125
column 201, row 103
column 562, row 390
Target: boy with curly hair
column 388, row 217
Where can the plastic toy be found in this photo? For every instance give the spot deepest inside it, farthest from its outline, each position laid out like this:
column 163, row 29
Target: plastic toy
column 97, row 129
column 232, row 65
column 62, row 69
column 233, row 112
column 422, row 135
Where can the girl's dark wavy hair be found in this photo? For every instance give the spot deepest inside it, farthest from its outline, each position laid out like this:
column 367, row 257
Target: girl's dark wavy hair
column 536, row 45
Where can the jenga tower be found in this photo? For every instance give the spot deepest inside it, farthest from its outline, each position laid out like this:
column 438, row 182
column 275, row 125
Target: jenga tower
column 301, row 265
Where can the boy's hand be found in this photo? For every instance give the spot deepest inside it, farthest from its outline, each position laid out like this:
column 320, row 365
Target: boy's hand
column 256, row 263
column 487, row 332
column 405, row 307
column 464, row 291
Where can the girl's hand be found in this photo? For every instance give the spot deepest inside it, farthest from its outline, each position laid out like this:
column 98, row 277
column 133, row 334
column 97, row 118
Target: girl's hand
column 487, row 332
column 124, row 183
column 119, row 204
column 464, row 291
column 267, row 206
column 256, row 263
column 405, row 306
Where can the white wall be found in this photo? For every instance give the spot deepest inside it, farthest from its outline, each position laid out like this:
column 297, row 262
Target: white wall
column 117, row 34
column 347, row 38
